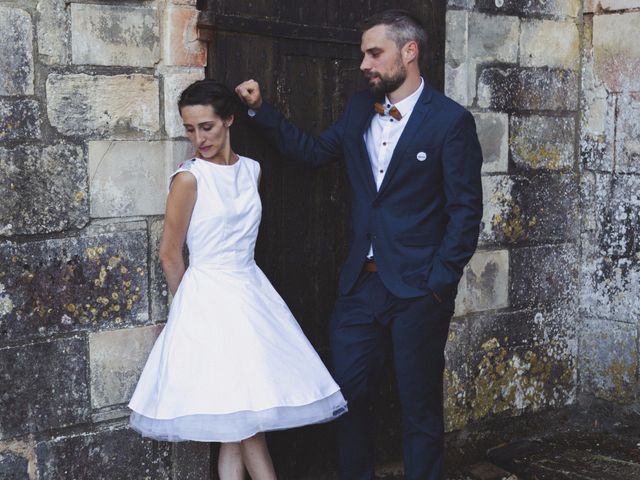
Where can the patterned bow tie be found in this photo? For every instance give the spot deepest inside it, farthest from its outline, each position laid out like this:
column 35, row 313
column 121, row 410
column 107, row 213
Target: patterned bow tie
column 393, row 111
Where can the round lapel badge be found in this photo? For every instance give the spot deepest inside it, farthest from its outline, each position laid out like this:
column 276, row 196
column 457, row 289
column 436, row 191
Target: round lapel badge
column 421, row 156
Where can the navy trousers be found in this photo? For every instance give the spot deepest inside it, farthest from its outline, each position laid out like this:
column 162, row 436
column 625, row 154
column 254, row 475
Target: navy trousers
column 364, row 323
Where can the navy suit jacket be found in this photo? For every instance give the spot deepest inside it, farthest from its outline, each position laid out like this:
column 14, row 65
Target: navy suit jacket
column 424, row 220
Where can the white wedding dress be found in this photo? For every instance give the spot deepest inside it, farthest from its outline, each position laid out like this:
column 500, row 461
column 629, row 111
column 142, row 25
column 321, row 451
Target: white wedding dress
column 232, row 360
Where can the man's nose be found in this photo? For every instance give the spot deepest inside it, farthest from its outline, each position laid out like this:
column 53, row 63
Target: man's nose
column 364, row 65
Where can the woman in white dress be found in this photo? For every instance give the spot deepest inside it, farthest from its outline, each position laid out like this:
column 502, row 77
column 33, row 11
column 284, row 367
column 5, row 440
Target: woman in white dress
column 232, row 362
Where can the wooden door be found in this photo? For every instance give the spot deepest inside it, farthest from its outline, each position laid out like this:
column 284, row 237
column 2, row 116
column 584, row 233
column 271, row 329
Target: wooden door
column 306, row 56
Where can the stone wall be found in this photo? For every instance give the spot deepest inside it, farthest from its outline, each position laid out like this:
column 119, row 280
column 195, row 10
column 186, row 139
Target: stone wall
column 554, row 90
column 610, row 158
column 88, row 135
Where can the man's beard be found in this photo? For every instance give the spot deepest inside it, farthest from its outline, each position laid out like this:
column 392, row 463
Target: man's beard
column 390, row 83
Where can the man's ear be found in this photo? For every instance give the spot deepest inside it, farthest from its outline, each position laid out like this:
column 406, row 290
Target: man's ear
column 410, row 51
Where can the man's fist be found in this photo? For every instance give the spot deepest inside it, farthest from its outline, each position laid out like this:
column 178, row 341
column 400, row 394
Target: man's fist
column 249, row 93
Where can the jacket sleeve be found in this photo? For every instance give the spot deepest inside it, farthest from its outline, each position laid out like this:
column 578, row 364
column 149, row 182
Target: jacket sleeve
column 295, row 143
column 461, row 166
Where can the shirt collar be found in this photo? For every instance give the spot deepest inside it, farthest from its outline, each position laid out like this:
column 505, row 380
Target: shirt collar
column 405, row 106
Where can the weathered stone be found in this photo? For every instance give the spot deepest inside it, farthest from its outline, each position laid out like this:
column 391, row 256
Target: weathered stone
column 459, row 70
column 131, row 178
column 20, row 119
column 515, row 88
column 615, row 52
column 16, row 52
column 43, row 189
column 466, row 4
column 456, row 376
column 72, row 284
column 548, row 43
column 485, row 283
column 493, row 38
column 44, row 386
column 542, row 142
column 539, row 208
column 569, row 8
column 498, row 208
column 13, row 467
column 460, row 82
column 175, row 81
column 610, row 274
column 493, row 133
column 180, row 44
column 544, row 276
column 192, row 460
column 609, row 359
column 521, row 360
column 118, row 453
column 114, row 35
column 159, row 290
column 591, row 6
column 457, row 38
column 118, row 106
column 53, row 31
column 116, row 360
column 628, row 134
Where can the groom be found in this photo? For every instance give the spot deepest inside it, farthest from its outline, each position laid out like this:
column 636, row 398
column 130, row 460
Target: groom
column 413, row 161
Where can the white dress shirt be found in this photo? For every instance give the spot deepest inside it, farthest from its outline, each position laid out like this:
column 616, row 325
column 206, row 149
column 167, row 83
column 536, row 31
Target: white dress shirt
column 383, row 134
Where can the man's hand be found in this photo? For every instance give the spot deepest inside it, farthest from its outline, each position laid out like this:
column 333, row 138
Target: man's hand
column 249, row 93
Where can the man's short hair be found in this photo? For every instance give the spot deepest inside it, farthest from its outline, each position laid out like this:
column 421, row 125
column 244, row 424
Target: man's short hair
column 404, row 27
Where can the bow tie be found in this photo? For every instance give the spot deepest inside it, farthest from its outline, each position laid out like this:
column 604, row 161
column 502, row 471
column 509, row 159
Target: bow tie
column 393, row 111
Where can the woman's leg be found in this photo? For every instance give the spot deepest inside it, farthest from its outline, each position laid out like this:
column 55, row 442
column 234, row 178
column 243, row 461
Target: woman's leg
column 256, row 458
column 230, row 466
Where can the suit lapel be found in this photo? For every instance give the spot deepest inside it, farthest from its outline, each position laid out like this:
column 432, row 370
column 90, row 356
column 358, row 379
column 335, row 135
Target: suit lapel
column 416, row 119
column 365, row 165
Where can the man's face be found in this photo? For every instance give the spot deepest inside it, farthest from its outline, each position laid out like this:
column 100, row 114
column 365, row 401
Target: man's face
column 382, row 62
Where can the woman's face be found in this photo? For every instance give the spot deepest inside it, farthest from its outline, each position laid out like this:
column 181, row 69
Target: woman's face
column 208, row 133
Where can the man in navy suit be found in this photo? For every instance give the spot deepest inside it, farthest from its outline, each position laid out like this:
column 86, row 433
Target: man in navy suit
column 413, row 161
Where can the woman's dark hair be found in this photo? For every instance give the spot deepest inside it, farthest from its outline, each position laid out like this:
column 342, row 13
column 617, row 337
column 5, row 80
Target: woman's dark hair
column 210, row 92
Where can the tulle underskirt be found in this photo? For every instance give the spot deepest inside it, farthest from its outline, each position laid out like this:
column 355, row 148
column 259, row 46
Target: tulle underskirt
column 236, row 426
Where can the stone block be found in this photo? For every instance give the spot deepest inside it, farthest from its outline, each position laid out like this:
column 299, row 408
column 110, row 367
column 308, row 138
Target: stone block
column 44, row 190
column 20, row 119
column 54, row 31
column 610, row 274
column 456, row 376
column 16, row 52
column 485, row 283
column 44, row 386
column 17, row 460
column 493, row 133
column 130, row 178
column 180, row 45
column 615, row 51
column 498, row 208
column 115, row 453
column 609, row 360
column 159, row 290
column 192, row 460
column 493, row 38
column 117, row 106
column 540, row 208
column 460, row 82
column 175, row 82
column 516, row 88
column 561, row 8
column 628, row 133
column 548, row 43
column 521, row 360
column 466, row 4
column 114, row 35
column 457, row 36
column 598, row 6
column 116, row 360
column 544, row 276
column 73, row 284
column 540, row 142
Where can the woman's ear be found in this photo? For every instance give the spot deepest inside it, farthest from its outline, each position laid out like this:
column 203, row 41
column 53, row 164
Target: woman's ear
column 228, row 121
